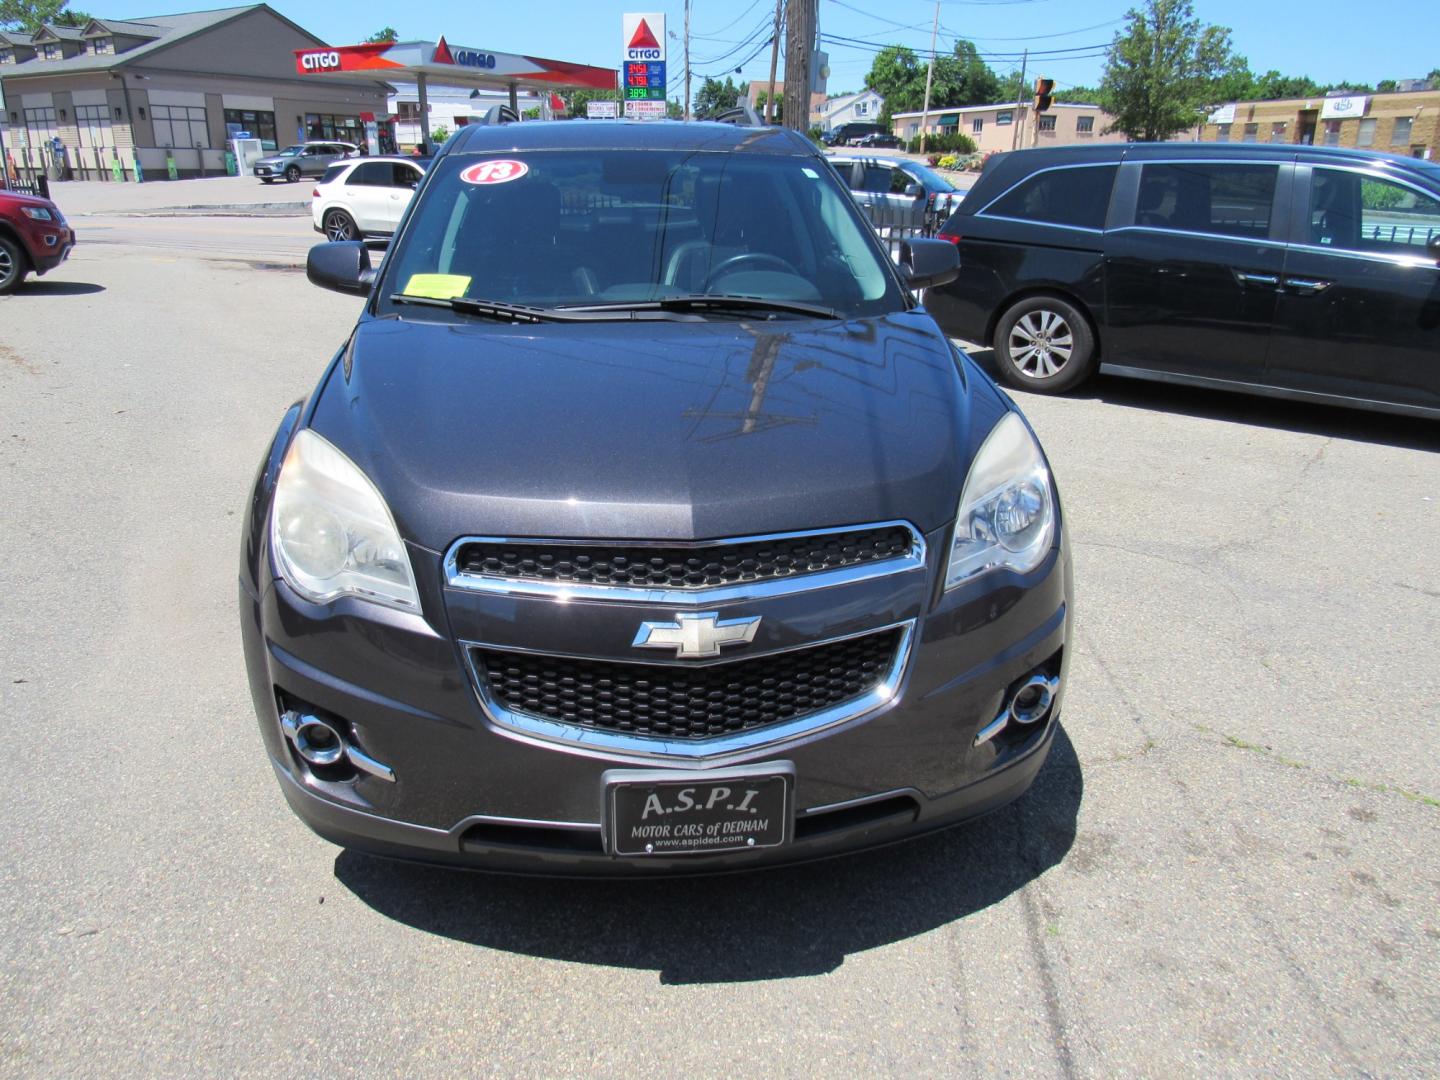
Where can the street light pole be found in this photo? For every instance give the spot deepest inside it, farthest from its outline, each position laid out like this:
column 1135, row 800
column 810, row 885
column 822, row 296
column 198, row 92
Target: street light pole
column 1019, row 97
column 774, row 62
column 687, row 59
column 929, row 76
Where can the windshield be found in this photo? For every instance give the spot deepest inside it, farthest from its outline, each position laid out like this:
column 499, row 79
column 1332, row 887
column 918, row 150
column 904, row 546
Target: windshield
column 290, row 151
column 932, row 180
column 560, row 228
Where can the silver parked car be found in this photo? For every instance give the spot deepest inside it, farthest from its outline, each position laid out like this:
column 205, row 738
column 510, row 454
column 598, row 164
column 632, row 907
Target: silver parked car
column 303, row 159
column 897, row 192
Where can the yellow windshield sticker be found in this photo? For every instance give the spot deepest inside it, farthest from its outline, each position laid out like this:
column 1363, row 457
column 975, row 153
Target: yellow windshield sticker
column 437, row 286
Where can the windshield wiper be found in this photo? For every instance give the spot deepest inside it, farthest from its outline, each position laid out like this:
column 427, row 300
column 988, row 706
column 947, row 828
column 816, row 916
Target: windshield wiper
column 525, row 313
column 713, row 302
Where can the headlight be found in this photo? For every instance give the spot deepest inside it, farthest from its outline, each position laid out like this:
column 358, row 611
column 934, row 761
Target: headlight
column 332, row 532
column 37, row 213
column 1007, row 514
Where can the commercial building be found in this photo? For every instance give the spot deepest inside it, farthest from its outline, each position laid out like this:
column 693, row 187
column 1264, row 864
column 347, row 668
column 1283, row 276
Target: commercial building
column 170, row 88
column 1400, row 123
column 1006, row 127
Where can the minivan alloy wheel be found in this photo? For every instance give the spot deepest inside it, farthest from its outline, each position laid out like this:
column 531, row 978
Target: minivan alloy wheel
column 1041, row 343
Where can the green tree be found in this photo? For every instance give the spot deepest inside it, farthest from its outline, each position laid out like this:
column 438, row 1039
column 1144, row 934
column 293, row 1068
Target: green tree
column 1162, row 70
column 1272, row 86
column 387, row 36
column 715, row 96
column 1386, row 86
column 898, row 77
column 960, row 79
column 776, row 114
column 29, row 15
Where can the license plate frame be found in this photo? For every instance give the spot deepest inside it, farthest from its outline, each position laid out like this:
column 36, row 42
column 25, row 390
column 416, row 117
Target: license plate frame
column 700, row 812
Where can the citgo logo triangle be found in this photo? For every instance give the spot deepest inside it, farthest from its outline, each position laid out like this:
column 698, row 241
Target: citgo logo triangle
column 643, row 38
column 442, row 54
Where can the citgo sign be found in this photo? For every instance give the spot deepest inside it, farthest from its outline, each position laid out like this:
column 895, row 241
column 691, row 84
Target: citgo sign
column 321, row 60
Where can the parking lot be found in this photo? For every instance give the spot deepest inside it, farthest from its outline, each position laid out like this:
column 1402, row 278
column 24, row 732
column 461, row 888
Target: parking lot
column 1228, row 866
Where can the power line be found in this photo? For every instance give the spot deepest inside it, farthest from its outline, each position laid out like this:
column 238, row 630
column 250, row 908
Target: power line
column 727, row 26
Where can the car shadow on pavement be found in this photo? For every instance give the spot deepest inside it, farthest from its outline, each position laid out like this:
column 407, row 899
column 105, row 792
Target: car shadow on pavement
column 59, row 288
column 1331, row 421
column 772, row 924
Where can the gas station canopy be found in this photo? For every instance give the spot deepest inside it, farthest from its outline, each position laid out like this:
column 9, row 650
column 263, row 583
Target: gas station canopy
column 452, row 65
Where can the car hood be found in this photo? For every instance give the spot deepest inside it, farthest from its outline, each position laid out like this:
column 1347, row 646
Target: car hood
column 674, row 431
column 15, row 199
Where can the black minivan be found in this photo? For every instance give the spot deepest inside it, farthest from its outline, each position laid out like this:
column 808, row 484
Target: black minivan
column 1294, row 271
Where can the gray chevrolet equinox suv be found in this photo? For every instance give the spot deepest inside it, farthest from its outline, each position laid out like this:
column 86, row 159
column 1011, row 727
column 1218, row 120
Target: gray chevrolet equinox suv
column 645, row 524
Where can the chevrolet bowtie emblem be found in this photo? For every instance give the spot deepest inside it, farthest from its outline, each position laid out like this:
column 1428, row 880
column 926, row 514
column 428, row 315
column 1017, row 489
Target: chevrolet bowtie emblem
column 696, row 635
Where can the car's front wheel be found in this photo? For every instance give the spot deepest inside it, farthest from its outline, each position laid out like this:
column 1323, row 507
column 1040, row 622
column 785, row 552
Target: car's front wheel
column 13, row 265
column 339, row 225
column 292, row 173
column 1045, row 345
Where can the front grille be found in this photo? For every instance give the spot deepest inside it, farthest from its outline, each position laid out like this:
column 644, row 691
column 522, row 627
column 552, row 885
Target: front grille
column 671, row 701
column 698, row 566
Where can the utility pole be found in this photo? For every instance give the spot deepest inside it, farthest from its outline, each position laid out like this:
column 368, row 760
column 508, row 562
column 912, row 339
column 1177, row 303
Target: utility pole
column 687, row 59
column 929, row 76
column 1019, row 97
column 774, row 60
column 800, row 16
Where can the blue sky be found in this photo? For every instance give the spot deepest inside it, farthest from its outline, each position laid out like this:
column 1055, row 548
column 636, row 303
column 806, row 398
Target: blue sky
column 1327, row 41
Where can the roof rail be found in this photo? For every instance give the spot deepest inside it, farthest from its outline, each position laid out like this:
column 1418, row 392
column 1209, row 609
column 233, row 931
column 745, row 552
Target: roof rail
column 742, row 115
column 500, row 114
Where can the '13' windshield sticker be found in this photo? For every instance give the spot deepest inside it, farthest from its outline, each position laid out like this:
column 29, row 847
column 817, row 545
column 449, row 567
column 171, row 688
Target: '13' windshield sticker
column 494, row 172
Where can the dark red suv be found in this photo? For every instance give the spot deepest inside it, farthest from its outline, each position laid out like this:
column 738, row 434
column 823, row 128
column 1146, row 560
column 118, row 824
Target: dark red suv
column 33, row 236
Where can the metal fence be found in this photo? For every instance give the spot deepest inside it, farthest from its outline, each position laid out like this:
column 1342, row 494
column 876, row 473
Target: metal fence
column 27, row 182
column 896, row 224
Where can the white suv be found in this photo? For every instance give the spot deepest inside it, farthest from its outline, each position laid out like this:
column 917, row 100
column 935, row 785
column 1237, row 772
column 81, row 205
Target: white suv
column 364, row 197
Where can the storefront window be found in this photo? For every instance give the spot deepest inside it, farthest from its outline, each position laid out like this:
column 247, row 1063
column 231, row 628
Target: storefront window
column 39, row 126
column 1401, row 135
column 1222, row 133
column 1366, row 135
column 180, row 125
column 1084, row 125
column 1332, row 132
column 340, row 128
column 1252, row 133
column 1001, row 119
column 261, row 125
column 93, row 125
column 1277, row 131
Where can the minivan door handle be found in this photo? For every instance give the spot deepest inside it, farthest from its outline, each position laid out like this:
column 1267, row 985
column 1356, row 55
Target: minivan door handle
column 1246, row 279
column 1306, row 286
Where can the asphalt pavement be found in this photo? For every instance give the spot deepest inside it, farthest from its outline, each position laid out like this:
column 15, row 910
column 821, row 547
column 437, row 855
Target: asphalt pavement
column 1228, row 867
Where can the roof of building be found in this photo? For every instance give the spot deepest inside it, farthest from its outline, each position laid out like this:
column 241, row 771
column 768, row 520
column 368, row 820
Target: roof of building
column 936, row 110
column 169, row 29
column 123, row 28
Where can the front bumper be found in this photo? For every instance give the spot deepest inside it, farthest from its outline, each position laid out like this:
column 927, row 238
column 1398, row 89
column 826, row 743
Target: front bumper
column 51, row 247
column 470, row 792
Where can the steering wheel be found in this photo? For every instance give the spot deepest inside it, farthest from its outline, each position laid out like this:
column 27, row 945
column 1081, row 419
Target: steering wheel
column 773, row 261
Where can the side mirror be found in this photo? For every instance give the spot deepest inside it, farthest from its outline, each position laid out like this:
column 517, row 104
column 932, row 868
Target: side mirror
column 927, row 263
column 913, row 190
column 343, row 266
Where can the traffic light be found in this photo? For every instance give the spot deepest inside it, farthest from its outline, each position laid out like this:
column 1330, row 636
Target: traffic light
column 1043, row 91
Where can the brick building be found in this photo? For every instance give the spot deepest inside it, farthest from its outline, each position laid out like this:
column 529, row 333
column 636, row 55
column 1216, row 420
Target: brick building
column 1401, row 123
column 1004, row 127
